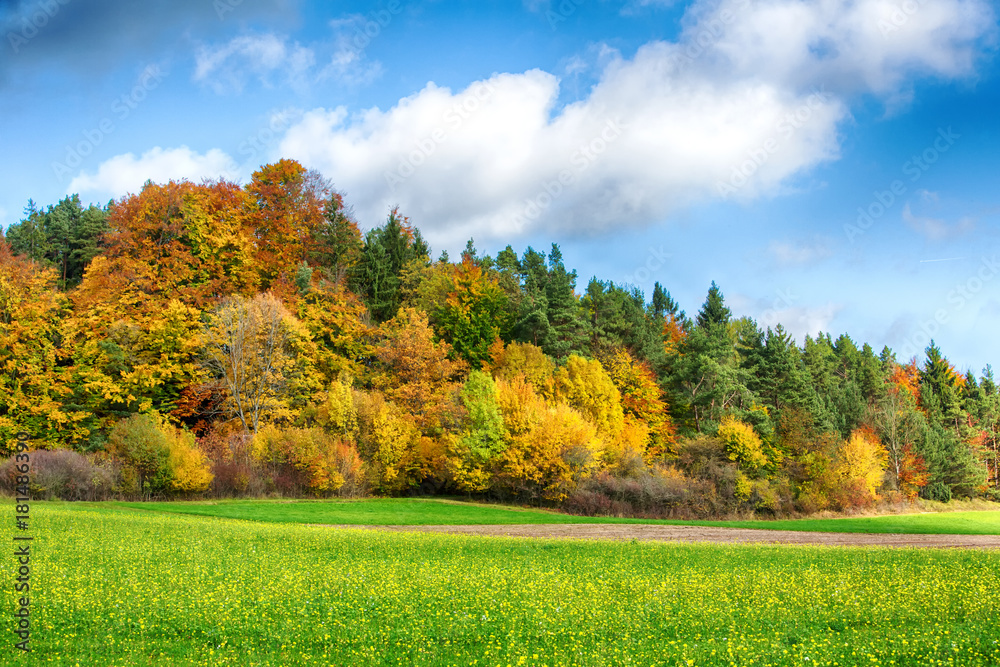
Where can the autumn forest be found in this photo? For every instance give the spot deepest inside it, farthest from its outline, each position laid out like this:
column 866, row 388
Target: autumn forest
column 223, row 340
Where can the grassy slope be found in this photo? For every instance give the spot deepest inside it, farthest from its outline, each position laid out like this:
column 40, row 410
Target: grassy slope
column 409, row 511
column 120, row 587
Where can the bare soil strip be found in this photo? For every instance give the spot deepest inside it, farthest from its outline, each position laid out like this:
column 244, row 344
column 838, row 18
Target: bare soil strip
column 586, row 531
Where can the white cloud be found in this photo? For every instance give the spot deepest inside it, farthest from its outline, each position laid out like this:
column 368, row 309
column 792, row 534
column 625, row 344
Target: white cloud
column 936, row 229
column 728, row 105
column 227, row 68
column 864, row 45
column 348, row 63
column 750, row 97
column 802, row 321
column 276, row 60
column 126, row 173
column 648, row 139
column 785, row 308
column 797, row 253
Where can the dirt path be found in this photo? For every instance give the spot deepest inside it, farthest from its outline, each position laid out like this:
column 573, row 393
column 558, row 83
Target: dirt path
column 705, row 534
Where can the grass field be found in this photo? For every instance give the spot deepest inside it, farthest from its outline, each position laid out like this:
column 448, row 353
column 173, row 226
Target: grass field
column 114, row 586
column 406, row 511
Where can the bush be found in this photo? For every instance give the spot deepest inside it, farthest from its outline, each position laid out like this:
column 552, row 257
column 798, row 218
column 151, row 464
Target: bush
column 143, row 450
column 228, row 450
column 63, row 475
column 938, row 491
column 743, row 445
column 309, row 458
column 189, row 467
column 156, row 457
column 655, row 493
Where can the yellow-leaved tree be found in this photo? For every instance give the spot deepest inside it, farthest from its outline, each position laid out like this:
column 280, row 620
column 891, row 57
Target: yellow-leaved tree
column 257, row 351
column 190, row 468
column 860, row 467
column 550, row 447
column 643, row 400
column 32, row 383
column 322, row 462
column 743, row 445
column 584, row 385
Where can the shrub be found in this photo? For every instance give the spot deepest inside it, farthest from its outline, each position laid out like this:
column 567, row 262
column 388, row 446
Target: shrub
column 189, row 467
column 308, row 457
column 743, row 445
column 143, row 451
column 654, row 493
column 228, row 450
column 64, row 475
column 548, row 460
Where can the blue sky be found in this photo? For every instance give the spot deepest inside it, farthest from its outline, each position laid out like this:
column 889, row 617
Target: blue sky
column 832, row 164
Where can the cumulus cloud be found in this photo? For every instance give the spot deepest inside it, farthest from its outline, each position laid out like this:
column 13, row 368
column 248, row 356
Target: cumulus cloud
column 727, row 111
column 226, row 68
column 126, row 173
column 496, row 159
column 936, row 229
column 274, row 59
column 750, row 97
column 861, row 46
column 798, row 253
column 92, row 37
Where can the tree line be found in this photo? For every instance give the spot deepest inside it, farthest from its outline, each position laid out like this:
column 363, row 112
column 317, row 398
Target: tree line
column 250, row 340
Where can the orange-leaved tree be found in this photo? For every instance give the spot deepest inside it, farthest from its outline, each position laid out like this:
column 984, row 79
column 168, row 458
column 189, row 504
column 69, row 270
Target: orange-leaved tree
column 415, row 372
column 643, row 399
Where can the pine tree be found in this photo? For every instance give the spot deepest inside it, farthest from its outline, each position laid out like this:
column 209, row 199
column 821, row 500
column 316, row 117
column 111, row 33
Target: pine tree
column 564, row 312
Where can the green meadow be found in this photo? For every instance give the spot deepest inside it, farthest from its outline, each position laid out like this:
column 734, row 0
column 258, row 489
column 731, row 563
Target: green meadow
column 118, row 586
column 420, row 511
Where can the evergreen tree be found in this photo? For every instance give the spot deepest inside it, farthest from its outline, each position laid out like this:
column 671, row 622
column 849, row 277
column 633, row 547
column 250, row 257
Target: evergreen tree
column 387, row 252
column 533, row 320
column 65, row 236
column 336, row 244
column 714, row 310
column 564, row 313
column 705, row 376
column 617, row 317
